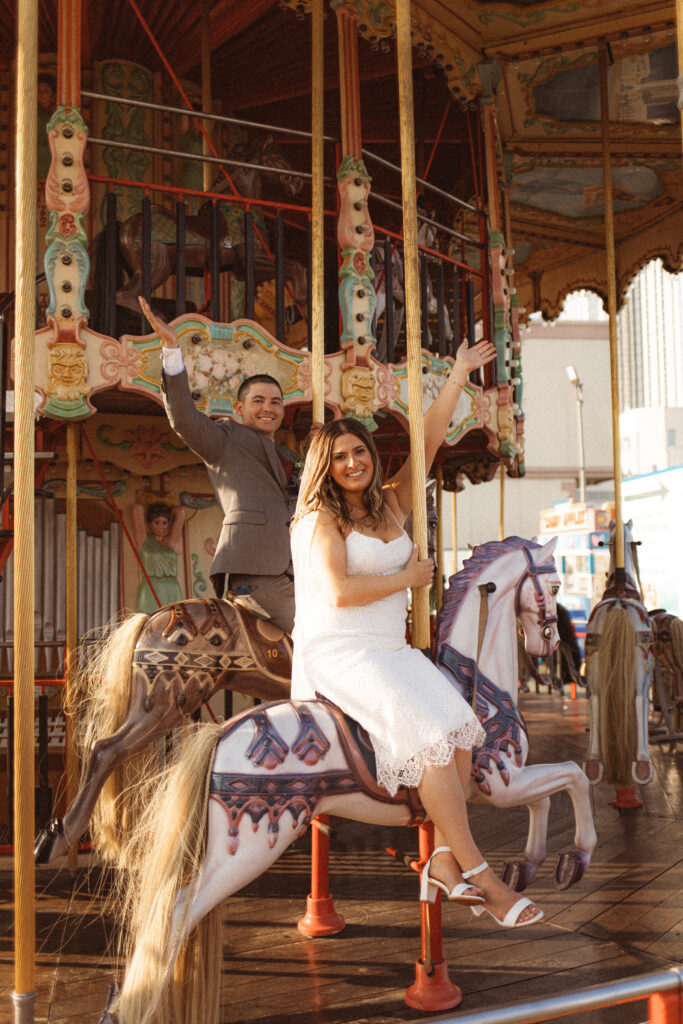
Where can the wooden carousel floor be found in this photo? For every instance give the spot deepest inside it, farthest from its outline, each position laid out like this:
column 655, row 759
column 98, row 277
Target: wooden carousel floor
column 624, row 918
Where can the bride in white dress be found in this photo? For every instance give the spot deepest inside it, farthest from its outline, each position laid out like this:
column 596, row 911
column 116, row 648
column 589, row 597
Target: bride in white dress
column 353, row 563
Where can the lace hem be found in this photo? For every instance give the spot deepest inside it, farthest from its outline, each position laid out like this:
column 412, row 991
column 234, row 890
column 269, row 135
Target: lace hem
column 392, row 775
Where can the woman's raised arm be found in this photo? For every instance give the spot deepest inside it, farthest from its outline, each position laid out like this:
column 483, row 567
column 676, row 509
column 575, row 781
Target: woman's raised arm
column 440, row 414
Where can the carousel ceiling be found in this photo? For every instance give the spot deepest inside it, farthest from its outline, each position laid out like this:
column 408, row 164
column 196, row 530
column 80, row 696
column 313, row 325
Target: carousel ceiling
column 537, row 60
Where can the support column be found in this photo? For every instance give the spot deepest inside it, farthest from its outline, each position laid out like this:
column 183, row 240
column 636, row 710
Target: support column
column 71, row 656
column 620, row 573
column 318, row 211
column 24, row 512
column 355, row 234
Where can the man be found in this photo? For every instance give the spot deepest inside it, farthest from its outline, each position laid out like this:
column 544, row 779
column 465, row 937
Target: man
column 251, row 479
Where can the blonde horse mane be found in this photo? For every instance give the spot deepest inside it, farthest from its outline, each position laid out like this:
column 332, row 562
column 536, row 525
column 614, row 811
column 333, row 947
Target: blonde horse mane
column 104, row 686
column 617, row 690
column 163, row 854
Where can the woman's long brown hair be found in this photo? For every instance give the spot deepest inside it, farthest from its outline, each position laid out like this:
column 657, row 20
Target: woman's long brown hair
column 320, row 491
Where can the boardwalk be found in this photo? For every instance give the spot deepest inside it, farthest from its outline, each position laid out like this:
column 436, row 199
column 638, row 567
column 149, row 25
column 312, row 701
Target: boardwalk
column 625, row 918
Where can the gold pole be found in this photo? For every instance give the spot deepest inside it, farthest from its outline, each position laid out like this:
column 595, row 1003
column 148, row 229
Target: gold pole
column 318, row 211
column 501, row 504
column 619, row 562
column 439, row 538
column 455, row 531
column 24, row 510
column 207, row 102
column 420, row 612
column 71, row 661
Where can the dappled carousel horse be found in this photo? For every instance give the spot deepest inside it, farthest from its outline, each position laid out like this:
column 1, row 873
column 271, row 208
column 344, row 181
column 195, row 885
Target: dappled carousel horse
column 231, row 242
column 619, row 664
column 241, row 793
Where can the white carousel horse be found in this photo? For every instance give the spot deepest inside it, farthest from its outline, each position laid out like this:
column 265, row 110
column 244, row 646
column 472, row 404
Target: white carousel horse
column 619, row 666
column 219, row 820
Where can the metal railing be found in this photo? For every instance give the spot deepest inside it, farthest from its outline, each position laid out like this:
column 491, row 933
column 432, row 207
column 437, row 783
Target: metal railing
column 570, row 1003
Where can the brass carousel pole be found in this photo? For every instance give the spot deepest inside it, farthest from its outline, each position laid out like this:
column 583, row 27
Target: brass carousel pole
column 207, row 101
column 432, row 989
column 420, row 603
column 318, row 211
column 612, row 311
column 24, row 510
column 439, row 538
column 501, row 504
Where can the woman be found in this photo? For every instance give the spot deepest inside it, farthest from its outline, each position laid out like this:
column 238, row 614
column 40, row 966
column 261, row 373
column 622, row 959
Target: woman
column 352, row 564
column 158, row 530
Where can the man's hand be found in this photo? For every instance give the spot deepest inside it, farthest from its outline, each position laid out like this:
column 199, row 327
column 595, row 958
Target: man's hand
column 166, row 333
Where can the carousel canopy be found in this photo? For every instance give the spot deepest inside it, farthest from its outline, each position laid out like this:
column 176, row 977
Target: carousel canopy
column 536, row 61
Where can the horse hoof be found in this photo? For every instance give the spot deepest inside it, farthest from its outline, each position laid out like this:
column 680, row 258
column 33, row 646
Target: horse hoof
column 593, row 771
column 45, row 841
column 569, row 869
column 642, row 772
column 517, row 874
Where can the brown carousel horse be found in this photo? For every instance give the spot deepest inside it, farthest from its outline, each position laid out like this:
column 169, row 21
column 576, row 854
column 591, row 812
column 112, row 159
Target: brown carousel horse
column 148, row 677
column 231, row 243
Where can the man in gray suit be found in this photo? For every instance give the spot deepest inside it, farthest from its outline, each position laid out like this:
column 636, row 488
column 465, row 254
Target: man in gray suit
column 251, row 478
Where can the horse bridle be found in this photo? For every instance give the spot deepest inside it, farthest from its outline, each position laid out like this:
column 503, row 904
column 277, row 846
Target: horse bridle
column 548, row 623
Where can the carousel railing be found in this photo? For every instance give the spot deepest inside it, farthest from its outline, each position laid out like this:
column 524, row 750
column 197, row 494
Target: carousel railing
column 451, row 260
column 664, row 989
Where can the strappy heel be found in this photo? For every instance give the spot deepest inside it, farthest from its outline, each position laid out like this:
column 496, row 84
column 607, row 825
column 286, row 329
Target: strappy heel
column 510, row 919
column 458, row 894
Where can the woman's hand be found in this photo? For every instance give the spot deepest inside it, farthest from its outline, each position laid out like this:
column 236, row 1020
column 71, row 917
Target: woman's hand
column 420, row 572
column 469, row 359
column 166, row 333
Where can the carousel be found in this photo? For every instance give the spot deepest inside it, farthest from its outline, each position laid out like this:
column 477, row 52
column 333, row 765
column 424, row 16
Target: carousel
column 339, row 196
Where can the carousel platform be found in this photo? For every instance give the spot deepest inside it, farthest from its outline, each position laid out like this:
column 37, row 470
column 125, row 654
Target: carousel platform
column 625, row 917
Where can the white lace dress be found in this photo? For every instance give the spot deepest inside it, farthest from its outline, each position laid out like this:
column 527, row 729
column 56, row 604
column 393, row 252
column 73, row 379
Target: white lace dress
column 358, row 658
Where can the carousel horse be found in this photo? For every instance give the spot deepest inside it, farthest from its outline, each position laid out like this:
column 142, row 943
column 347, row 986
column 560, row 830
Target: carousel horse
column 619, row 664
column 241, row 793
column 231, row 244
column 145, row 680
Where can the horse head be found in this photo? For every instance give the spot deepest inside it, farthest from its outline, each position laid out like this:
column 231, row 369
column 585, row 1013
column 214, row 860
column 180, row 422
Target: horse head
column 631, row 586
column 267, row 152
column 502, row 582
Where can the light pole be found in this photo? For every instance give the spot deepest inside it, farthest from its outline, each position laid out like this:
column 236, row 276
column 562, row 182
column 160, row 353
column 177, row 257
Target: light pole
column 578, row 391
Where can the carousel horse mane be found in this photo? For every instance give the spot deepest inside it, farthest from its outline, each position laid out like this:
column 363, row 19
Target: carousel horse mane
column 483, row 555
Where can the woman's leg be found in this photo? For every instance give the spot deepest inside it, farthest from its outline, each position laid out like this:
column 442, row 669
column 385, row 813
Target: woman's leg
column 442, row 796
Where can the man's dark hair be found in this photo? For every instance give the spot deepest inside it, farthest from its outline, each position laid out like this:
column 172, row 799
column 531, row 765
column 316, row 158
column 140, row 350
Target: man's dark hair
column 257, row 378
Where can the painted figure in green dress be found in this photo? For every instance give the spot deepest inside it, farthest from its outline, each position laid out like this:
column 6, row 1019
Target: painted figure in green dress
column 158, row 530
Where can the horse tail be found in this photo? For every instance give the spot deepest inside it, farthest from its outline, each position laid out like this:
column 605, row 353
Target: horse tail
column 105, row 687
column 618, row 733
column 170, row 979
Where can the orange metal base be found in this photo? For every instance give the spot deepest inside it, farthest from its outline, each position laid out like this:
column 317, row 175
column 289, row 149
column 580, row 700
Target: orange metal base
column 321, row 918
column 626, row 797
column 433, row 992
column 665, row 1008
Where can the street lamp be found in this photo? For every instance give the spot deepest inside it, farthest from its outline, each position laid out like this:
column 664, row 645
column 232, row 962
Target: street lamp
column 578, row 391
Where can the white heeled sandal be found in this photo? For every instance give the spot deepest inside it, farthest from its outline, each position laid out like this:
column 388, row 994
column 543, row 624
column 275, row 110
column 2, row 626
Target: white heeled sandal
column 458, row 894
column 510, row 919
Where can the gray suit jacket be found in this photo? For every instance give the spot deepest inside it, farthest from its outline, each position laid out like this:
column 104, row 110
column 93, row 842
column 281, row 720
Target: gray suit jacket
column 248, row 480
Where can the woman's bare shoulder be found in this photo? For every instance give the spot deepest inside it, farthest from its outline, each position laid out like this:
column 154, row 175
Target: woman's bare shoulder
column 392, row 503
